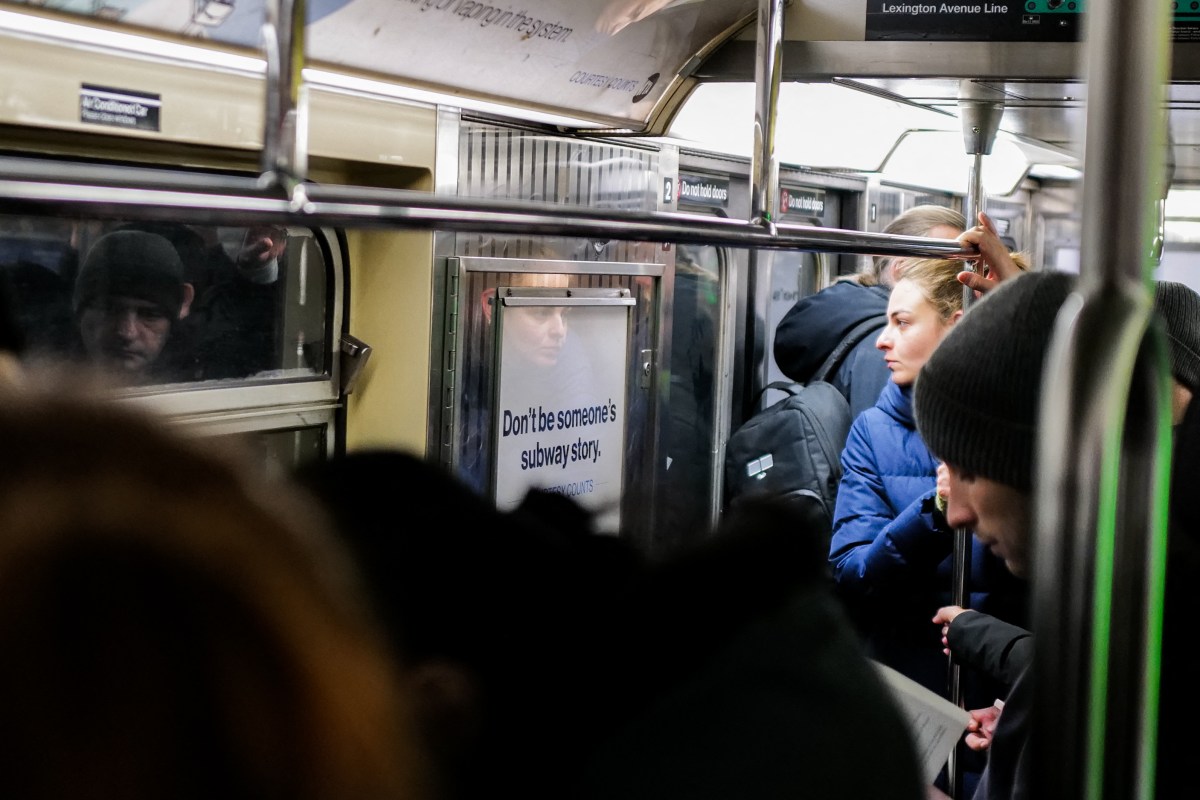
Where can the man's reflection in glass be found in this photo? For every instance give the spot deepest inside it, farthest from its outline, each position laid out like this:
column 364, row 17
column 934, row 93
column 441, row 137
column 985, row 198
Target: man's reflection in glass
column 129, row 296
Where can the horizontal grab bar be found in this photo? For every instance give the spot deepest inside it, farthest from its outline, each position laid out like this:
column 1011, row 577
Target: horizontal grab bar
column 122, row 193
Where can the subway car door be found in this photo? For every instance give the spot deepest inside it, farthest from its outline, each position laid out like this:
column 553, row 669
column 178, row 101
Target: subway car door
column 550, row 381
column 548, row 344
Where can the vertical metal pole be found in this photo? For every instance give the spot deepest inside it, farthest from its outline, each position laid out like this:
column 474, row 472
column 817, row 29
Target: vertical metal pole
column 764, row 167
column 1097, row 539
column 961, row 565
column 764, row 176
column 285, row 146
column 980, row 113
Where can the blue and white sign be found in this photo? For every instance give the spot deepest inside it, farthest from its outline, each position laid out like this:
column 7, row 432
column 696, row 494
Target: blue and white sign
column 560, row 419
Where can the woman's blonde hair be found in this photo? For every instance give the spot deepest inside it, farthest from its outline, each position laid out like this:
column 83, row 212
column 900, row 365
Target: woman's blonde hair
column 937, row 278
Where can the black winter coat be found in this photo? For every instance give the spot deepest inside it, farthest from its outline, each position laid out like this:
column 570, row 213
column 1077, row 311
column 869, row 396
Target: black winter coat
column 813, row 327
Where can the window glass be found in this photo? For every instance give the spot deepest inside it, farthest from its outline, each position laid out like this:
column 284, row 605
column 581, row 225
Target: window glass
column 282, row 452
column 157, row 303
column 693, row 374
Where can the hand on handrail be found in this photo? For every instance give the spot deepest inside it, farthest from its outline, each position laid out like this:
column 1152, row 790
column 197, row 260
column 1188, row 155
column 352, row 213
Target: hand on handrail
column 995, row 263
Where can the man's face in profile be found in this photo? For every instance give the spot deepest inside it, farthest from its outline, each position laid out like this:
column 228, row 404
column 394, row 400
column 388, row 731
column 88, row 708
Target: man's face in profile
column 124, row 334
column 997, row 513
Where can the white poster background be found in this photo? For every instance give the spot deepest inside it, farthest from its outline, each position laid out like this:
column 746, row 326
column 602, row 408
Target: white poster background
column 562, row 427
column 612, row 58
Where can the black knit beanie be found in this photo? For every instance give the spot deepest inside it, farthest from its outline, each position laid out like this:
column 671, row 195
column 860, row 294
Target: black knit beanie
column 1179, row 307
column 976, row 399
column 134, row 264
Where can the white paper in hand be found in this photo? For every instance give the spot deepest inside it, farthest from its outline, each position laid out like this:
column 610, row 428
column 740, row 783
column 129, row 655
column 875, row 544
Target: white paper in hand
column 935, row 722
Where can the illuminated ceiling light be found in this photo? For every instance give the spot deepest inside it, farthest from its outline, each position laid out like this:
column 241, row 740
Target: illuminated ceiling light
column 818, row 125
column 1055, row 172
column 717, row 117
column 937, row 160
column 1183, row 204
column 103, row 39
column 1183, row 231
column 835, row 127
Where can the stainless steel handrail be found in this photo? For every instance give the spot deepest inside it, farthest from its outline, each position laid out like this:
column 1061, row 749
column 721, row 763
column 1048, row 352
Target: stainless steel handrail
column 285, row 134
column 1095, row 545
column 764, row 167
column 114, row 193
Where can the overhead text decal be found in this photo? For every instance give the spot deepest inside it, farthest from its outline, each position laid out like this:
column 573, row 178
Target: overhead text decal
column 489, row 16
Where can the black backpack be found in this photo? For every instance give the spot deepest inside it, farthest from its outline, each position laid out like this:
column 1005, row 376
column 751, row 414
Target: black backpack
column 793, row 448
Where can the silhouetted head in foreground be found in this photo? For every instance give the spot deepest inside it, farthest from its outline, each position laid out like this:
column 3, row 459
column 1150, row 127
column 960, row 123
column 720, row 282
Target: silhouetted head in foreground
column 173, row 628
column 500, row 620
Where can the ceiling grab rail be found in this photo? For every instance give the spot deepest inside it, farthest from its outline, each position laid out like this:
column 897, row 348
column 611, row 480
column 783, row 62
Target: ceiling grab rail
column 1099, row 536
column 980, row 112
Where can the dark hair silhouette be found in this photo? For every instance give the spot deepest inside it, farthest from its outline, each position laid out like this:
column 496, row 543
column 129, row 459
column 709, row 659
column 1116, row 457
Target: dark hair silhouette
column 517, row 605
column 172, row 628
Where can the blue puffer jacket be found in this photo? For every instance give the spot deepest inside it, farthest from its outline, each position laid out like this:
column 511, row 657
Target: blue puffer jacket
column 892, row 560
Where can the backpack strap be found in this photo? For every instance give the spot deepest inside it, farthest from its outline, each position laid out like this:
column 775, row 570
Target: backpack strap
column 856, row 335
column 783, row 386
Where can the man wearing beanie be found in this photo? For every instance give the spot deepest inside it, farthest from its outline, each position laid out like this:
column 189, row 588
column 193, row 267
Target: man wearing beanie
column 129, row 297
column 977, row 402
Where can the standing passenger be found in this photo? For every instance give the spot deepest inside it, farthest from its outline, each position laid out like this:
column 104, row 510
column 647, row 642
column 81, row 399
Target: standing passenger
column 810, row 331
column 744, row 679
column 239, row 317
column 983, row 641
column 977, row 404
column 892, row 551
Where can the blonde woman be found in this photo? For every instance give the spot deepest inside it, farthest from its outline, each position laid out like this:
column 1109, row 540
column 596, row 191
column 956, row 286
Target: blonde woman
column 891, row 551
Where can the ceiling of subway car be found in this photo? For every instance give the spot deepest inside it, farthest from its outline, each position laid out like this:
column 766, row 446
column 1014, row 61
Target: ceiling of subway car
column 1050, row 112
column 636, row 64
column 606, row 63
column 914, row 68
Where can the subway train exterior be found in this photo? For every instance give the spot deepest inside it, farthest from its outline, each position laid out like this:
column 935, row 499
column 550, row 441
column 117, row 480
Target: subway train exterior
column 658, row 181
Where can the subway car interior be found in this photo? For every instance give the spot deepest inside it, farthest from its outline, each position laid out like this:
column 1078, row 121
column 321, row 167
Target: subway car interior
column 362, row 193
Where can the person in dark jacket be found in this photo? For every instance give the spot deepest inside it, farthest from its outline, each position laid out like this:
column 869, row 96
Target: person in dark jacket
column 743, row 678
column 1005, row 651
column 130, row 296
column 810, row 331
column 979, row 417
column 501, row 620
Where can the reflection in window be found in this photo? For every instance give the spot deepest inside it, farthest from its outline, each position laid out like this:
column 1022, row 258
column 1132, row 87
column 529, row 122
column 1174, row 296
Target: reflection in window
column 690, row 435
column 152, row 303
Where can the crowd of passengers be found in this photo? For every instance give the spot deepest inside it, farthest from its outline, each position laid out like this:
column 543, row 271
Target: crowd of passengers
column 175, row 623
